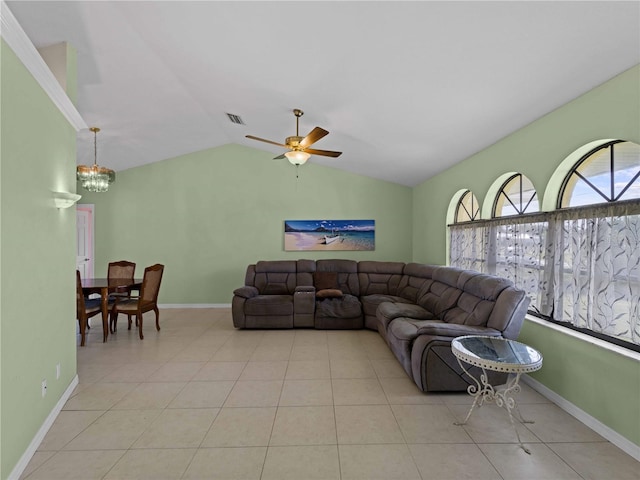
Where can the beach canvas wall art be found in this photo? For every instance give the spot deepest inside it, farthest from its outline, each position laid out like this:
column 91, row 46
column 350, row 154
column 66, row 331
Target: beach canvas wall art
column 329, row 235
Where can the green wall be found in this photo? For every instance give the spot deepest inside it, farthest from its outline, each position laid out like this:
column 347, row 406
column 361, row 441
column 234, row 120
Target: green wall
column 601, row 383
column 209, row 214
column 611, row 110
column 37, row 254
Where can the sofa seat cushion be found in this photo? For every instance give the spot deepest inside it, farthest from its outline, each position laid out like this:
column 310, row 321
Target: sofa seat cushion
column 387, row 312
column 346, row 307
column 406, row 328
column 370, row 303
column 269, row 305
column 338, row 313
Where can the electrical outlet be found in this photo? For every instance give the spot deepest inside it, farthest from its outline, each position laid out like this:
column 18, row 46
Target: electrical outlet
column 44, row 387
column 58, row 371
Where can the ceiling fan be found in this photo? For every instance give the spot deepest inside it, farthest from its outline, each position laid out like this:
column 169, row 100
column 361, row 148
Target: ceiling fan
column 299, row 151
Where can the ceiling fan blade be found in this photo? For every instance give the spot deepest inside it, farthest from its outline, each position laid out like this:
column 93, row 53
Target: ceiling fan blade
column 266, row 141
column 315, row 135
column 326, row 153
column 279, row 157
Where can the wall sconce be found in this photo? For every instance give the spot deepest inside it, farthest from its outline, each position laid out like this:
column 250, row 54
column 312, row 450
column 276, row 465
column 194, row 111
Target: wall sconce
column 65, row 200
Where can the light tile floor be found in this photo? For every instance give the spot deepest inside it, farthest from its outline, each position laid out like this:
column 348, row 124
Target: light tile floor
column 201, row 400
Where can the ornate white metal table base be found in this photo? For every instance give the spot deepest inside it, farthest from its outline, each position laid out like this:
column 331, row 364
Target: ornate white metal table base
column 483, row 392
column 496, row 354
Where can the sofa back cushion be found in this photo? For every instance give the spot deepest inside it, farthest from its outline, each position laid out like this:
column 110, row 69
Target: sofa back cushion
column 305, row 270
column 276, row 277
column 250, row 276
column 416, row 279
column 379, row 278
column 347, row 271
column 325, row 280
column 442, row 292
column 477, row 300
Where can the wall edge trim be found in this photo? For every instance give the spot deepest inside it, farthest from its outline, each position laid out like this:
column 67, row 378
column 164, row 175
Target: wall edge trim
column 39, row 436
column 593, row 423
column 22, row 46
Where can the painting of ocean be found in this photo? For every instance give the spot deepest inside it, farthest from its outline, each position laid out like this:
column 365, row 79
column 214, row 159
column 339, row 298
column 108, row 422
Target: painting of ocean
column 329, row 235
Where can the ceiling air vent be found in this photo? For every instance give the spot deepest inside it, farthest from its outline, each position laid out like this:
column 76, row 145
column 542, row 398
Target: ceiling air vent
column 235, row 119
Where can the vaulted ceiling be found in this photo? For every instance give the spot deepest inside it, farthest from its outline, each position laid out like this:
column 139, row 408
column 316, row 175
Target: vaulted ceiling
column 406, row 89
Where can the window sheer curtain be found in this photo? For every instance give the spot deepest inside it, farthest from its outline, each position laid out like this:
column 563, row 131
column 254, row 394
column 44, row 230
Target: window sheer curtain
column 580, row 266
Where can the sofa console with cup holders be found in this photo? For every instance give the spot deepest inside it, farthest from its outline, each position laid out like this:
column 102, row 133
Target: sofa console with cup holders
column 418, row 309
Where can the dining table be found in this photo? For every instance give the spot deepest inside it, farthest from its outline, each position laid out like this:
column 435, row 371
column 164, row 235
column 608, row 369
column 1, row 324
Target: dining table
column 105, row 286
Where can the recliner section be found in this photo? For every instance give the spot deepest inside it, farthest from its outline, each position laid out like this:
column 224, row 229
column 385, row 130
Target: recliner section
column 418, row 309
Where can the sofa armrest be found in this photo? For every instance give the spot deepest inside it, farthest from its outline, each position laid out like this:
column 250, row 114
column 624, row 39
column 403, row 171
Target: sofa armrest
column 304, row 306
column 430, row 327
column 304, row 288
column 246, row 292
column 304, row 302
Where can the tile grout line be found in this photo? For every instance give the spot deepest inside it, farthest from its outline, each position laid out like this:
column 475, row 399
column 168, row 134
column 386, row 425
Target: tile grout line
column 395, row 390
column 335, row 417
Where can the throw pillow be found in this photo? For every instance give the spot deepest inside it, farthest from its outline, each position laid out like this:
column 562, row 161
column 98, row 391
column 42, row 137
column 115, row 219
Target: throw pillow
column 329, row 293
column 325, row 280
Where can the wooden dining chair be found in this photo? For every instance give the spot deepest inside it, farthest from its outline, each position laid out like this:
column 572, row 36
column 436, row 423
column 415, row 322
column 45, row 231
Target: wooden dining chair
column 121, row 269
column 85, row 308
column 145, row 302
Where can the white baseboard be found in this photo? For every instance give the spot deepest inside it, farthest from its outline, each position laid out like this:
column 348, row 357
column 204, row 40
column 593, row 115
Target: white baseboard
column 593, row 423
column 37, row 439
column 195, row 305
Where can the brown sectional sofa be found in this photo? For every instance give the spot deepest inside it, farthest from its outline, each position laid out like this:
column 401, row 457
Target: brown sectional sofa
column 418, row 309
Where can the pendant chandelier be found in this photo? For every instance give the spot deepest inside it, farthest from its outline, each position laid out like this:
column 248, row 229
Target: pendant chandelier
column 95, row 178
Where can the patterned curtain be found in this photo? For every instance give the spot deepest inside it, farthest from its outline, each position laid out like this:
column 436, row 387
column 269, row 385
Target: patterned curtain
column 513, row 248
column 580, row 265
column 597, row 284
column 467, row 246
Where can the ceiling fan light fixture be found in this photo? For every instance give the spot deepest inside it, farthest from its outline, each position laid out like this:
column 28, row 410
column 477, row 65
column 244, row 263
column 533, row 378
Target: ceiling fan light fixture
column 297, row 157
column 297, row 145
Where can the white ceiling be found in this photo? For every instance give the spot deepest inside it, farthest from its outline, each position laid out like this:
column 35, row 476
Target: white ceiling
column 407, row 89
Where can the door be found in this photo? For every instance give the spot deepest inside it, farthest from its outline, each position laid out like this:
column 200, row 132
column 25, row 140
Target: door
column 84, row 239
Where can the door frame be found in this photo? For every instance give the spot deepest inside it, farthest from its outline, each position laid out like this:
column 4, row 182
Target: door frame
column 90, row 230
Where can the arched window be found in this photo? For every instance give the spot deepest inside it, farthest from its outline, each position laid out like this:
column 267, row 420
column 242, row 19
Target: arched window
column 516, row 196
column 578, row 265
column 465, row 242
column 608, row 173
column 468, row 208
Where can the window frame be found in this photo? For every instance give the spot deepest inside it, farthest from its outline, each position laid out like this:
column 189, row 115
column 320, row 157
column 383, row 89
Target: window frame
column 472, row 217
column 501, row 192
column 608, row 197
column 556, row 214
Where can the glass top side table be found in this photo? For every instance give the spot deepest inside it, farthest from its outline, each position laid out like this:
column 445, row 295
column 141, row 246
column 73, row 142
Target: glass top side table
column 499, row 355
